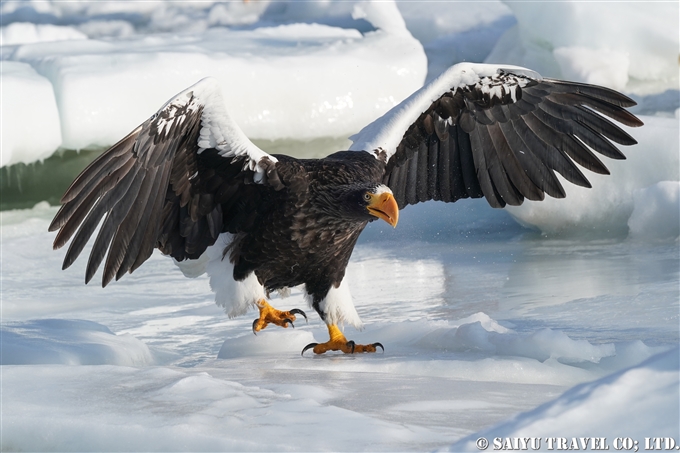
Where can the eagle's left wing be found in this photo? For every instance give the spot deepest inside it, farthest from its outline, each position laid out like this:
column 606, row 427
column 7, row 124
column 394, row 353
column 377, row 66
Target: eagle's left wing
column 498, row 132
column 185, row 175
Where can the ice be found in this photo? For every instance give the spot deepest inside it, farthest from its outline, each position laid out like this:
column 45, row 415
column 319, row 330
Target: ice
column 631, row 47
column 30, row 119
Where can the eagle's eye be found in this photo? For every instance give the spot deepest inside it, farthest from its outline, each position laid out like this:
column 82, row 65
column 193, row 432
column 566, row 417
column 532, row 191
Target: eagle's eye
column 367, row 196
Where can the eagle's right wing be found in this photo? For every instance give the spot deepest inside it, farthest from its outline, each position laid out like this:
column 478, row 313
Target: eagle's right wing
column 498, row 132
column 176, row 182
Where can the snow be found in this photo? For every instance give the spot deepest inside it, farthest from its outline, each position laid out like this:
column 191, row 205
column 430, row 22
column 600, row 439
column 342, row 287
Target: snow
column 650, row 388
column 567, row 329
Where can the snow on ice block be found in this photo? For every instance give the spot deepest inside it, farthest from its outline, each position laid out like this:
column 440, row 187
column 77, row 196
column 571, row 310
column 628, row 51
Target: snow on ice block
column 30, row 119
column 291, row 81
column 639, row 402
column 70, row 342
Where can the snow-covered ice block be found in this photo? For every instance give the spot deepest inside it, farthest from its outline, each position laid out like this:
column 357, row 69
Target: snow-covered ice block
column 639, row 402
column 290, row 81
column 26, row 32
column 70, row 342
column 284, row 343
column 30, row 119
column 626, row 46
column 608, row 205
column 656, row 215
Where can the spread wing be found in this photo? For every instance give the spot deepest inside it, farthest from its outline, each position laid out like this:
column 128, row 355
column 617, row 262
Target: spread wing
column 176, row 182
column 499, row 132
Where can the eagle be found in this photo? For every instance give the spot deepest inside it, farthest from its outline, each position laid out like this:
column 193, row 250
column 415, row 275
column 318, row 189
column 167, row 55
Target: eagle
column 189, row 182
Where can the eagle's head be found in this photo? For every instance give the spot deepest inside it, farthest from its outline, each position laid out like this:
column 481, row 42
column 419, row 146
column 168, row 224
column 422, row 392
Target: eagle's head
column 380, row 202
column 364, row 202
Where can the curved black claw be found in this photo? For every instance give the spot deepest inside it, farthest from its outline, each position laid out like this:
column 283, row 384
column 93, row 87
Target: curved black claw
column 255, row 322
column 287, row 320
column 297, row 311
column 375, row 345
column 351, row 343
column 309, row 346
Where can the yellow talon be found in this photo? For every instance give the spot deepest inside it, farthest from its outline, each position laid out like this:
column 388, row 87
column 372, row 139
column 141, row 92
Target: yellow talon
column 269, row 314
column 338, row 342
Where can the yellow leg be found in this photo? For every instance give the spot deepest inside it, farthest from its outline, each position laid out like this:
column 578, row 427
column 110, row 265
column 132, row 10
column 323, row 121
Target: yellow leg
column 270, row 315
column 338, row 342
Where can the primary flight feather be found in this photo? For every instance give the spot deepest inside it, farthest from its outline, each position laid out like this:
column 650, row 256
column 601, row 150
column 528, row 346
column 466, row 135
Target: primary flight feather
column 189, row 182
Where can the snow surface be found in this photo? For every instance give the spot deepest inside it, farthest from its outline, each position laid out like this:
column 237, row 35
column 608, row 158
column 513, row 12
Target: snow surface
column 490, row 329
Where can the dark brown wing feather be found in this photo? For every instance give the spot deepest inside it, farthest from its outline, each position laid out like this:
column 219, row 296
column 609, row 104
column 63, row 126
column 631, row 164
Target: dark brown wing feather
column 472, row 144
column 154, row 189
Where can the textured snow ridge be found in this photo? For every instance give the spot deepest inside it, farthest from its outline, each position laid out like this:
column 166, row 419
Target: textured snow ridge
column 603, row 408
column 70, row 342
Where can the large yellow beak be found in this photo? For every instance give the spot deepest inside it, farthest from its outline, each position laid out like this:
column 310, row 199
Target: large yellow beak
column 385, row 207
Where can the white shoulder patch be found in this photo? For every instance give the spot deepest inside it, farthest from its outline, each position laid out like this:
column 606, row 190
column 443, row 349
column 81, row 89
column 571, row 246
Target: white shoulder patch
column 387, row 131
column 218, row 129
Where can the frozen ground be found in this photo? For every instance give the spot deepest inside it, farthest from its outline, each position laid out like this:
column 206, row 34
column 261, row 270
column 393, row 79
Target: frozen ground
column 568, row 327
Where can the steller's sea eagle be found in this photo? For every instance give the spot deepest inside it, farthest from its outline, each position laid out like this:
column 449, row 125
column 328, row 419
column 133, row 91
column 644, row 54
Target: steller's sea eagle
column 189, row 182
